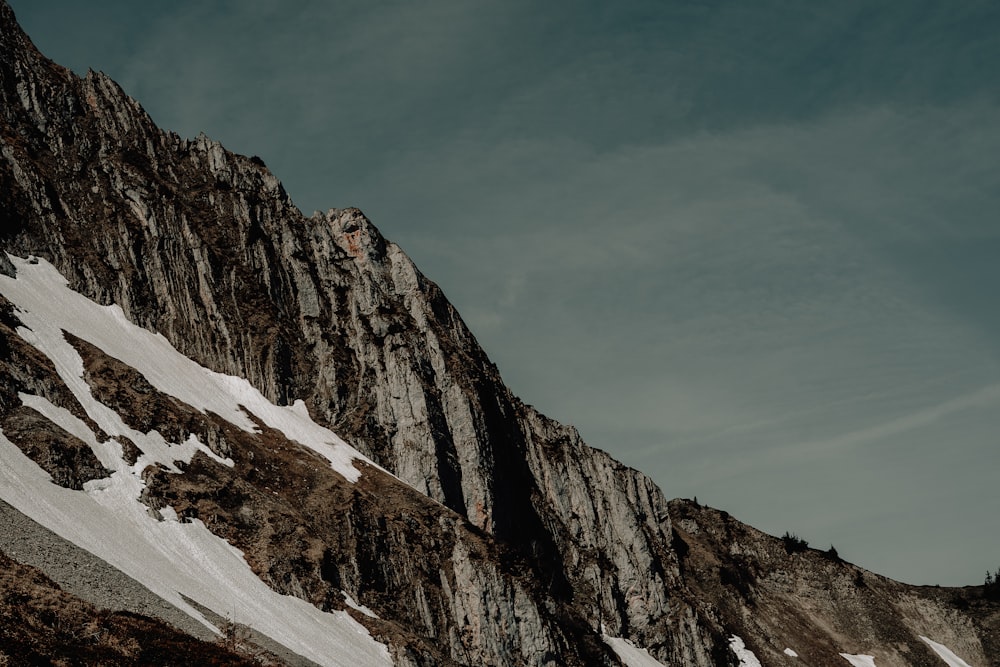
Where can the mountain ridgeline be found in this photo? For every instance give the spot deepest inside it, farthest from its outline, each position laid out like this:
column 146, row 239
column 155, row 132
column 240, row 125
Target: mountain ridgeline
column 479, row 532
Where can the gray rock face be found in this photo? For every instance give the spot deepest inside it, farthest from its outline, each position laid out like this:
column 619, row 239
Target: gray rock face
column 205, row 247
column 778, row 594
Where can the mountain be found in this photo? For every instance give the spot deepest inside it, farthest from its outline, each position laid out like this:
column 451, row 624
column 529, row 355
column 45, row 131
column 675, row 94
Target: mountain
column 229, row 432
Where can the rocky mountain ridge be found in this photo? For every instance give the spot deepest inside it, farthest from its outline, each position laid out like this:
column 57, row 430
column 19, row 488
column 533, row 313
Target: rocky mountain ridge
column 502, row 539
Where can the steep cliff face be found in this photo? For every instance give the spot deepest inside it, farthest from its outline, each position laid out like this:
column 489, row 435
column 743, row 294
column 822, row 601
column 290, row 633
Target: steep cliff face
column 204, row 247
column 539, row 544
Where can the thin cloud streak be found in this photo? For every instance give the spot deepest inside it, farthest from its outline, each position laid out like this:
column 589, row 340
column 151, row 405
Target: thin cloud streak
column 983, row 398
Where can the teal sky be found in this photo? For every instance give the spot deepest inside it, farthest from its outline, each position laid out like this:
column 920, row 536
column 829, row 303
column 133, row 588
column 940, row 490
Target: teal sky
column 750, row 248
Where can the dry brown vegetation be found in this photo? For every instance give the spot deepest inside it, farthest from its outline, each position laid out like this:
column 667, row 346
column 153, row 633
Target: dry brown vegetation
column 40, row 624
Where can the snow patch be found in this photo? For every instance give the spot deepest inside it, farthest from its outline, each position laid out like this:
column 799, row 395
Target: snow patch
column 945, row 653
column 154, row 448
column 176, row 560
column 47, row 307
column 859, row 660
column 746, row 656
column 358, row 607
column 630, row 654
column 790, row 652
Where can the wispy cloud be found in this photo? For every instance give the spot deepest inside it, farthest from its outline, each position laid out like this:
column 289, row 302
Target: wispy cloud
column 986, row 397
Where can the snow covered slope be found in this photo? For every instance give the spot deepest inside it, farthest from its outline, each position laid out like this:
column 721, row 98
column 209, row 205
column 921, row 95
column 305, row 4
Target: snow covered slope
column 945, row 653
column 48, row 308
column 629, row 653
column 178, row 561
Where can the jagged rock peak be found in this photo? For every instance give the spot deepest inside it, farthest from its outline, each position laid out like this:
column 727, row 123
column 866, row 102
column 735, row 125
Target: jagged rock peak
column 12, row 38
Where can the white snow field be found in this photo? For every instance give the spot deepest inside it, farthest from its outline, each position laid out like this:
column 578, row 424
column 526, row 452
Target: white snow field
column 172, row 559
column 790, row 652
column 629, row 653
column 945, row 653
column 49, row 307
column 859, row 660
column 746, row 656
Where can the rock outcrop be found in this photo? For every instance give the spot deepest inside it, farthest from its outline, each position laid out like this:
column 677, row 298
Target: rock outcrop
column 505, row 540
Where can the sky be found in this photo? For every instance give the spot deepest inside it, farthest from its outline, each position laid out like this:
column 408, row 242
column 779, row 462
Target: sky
column 749, row 248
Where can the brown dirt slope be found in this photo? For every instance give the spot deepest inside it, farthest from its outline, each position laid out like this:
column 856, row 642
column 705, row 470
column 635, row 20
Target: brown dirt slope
column 40, row 624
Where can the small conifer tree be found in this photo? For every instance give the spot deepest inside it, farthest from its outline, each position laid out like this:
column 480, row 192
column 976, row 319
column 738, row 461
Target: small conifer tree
column 793, row 543
column 991, row 589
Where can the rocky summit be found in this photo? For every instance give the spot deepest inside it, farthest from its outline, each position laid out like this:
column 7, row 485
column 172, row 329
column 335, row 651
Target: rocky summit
column 234, row 434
